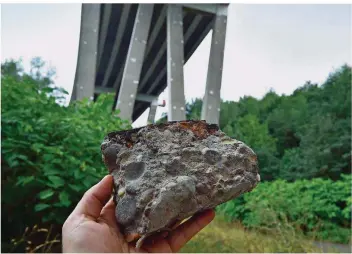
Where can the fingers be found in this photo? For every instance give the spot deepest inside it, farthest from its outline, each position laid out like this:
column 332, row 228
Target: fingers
column 95, row 198
column 180, row 236
column 157, row 244
column 108, row 213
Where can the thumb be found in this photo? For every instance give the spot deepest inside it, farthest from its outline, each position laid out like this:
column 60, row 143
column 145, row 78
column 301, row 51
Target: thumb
column 95, row 198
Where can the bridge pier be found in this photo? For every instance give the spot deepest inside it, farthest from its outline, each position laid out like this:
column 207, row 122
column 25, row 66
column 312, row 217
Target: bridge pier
column 175, row 53
column 87, row 54
column 152, row 111
column 134, row 61
column 212, row 100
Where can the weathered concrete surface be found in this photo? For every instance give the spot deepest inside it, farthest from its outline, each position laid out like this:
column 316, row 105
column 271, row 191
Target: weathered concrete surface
column 166, row 173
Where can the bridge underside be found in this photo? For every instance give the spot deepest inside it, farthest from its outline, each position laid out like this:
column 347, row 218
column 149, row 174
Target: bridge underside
column 137, row 50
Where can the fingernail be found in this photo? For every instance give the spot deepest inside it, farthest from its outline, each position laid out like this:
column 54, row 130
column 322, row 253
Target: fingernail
column 106, row 177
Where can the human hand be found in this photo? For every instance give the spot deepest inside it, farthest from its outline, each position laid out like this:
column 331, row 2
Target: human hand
column 92, row 226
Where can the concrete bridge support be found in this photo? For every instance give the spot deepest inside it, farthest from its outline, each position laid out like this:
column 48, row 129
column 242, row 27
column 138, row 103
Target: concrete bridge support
column 175, row 79
column 152, row 111
column 211, row 101
column 87, row 54
column 138, row 50
column 134, row 61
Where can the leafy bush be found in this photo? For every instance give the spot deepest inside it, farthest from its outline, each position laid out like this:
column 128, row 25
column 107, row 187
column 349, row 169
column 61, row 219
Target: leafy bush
column 50, row 153
column 321, row 208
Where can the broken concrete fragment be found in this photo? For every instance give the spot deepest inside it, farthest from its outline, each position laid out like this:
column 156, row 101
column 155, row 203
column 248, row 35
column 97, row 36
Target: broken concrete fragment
column 168, row 172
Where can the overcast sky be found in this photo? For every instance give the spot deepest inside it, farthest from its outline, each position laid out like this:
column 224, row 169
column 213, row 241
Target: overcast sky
column 267, row 46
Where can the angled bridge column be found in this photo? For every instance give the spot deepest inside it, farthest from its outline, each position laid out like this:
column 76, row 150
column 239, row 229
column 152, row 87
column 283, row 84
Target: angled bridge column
column 134, row 61
column 87, row 54
column 211, row 101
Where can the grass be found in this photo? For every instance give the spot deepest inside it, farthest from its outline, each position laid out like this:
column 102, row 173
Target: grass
column 218, row 237
column 37, row 240
column 221, row 236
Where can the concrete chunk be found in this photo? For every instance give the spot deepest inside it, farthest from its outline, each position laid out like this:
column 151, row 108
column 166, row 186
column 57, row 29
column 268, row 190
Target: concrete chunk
column 165, row 173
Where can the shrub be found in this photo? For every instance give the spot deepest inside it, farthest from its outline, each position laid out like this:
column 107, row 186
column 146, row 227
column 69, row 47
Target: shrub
column 50, row 153
column 320, row 207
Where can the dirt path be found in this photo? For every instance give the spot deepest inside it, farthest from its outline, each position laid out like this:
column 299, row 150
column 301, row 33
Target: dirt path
column 330, row 247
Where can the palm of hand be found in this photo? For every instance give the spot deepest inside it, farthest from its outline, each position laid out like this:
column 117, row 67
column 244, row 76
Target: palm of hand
column 92, row 227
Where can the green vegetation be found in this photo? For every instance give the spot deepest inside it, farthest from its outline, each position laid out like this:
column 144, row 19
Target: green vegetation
column 51, row 156
column 222, row 237
column 319, row 208
column 50, row 153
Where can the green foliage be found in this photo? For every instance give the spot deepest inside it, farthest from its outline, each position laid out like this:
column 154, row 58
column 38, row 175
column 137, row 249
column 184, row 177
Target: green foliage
column 303, row 135
column 254, row 133
column 50, row 153
column 194, row 109
column 319, row 207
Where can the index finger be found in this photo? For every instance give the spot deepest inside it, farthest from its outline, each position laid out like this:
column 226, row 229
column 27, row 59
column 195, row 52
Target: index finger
column 95, row 198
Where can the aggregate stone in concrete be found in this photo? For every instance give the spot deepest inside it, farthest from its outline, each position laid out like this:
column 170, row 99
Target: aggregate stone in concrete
column 168, row 172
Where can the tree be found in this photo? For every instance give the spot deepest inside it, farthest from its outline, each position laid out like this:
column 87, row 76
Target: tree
column 249, row 130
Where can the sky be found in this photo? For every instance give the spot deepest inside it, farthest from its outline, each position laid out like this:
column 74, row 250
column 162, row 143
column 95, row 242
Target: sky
column 277, row 47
